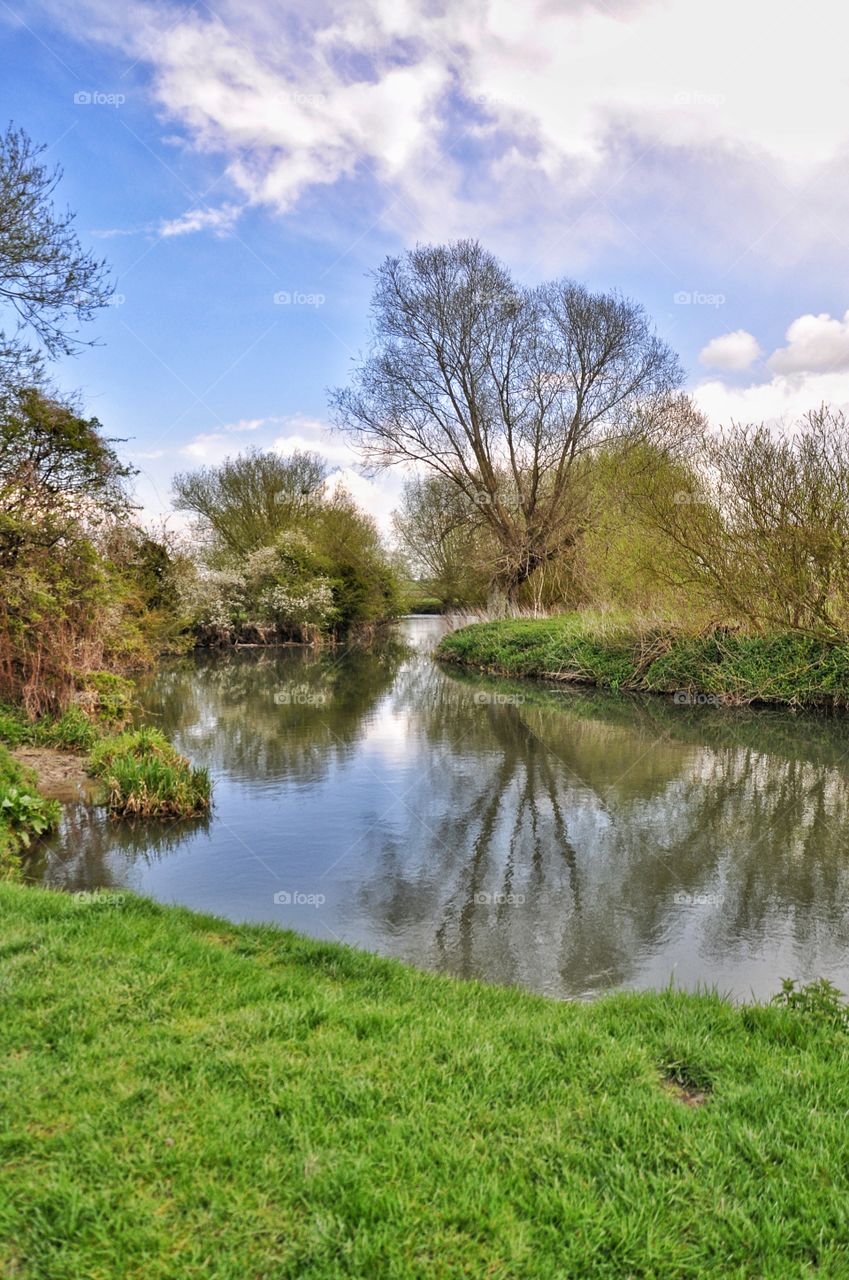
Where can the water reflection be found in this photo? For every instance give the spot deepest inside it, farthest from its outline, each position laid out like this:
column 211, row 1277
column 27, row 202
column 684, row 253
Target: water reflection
column 568, row 841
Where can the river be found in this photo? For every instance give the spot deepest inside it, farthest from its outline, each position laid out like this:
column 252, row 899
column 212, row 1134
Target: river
column 568, row 841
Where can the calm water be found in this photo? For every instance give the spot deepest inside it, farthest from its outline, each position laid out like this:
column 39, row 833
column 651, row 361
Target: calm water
column 570, row 842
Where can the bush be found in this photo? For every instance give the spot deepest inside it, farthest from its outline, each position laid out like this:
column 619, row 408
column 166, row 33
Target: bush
column 819, row 1001
column 24, row 814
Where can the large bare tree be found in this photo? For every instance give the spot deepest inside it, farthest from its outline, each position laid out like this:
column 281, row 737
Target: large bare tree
column 503, row 390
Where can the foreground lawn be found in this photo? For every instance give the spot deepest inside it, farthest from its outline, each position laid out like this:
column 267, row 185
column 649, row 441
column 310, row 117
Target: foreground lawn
column 187, row 1098
column 615, row 653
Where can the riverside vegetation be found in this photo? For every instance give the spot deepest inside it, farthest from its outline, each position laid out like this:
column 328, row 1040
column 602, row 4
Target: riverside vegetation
column 618, row 653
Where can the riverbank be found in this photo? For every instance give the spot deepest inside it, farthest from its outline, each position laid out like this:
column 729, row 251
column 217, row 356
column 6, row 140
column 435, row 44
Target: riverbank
column 716, row 668
column 134, row 773
column 189, row 1097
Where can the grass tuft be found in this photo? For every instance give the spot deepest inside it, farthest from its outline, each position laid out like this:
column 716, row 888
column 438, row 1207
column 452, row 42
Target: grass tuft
column 146, row 776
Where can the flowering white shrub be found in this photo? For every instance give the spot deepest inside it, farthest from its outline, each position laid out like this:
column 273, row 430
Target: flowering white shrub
column 311, row 603
column 227, row 599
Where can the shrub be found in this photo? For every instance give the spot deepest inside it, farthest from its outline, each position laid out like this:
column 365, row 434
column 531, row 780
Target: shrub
column 819, row 1001
column 24, row 814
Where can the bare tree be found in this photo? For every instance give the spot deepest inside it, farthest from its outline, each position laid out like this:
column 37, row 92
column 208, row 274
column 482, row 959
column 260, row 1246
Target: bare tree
column 501, row 390
column 48, row 284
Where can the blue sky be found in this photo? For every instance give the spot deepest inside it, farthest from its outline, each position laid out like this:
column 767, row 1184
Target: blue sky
column 694, row 157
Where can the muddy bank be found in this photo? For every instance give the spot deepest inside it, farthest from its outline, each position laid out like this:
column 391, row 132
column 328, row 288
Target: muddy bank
column 60, row 775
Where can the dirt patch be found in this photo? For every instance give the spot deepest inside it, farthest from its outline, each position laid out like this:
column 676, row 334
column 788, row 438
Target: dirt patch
column 61, row 775
column 686, row 1094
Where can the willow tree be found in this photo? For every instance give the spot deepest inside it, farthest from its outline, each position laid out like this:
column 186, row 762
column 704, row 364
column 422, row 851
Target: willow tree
column 503, row 390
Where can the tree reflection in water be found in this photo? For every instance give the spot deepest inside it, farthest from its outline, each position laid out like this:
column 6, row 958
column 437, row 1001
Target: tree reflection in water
column 566, row 840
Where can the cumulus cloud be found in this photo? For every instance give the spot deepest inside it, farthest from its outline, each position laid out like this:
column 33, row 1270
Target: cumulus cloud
column 459, row 115
column 731, row 351
column 781, row 400
column 301, row 431
column 813, row 343
column 250, row 424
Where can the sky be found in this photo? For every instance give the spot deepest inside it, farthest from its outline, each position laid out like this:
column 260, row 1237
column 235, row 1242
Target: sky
column 244, row 167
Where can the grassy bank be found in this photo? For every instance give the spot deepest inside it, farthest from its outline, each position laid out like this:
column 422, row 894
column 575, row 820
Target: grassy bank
column 186, row 1097
column 614, row 654
column 142, row 774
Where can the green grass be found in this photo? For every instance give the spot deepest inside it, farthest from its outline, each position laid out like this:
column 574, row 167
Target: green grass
column 614, row 653
column 146, row 776
column 189, row 1098
column 72, row 731
column 24, row 814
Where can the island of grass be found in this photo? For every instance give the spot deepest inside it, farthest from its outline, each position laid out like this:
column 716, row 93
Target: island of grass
column 613, row 652
column 145, row 776
column 187, row 1097
column 140, row 773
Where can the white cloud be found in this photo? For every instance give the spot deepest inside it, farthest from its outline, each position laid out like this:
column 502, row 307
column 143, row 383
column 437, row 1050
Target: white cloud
column 469, row 117
column 731, row 351
column 379, row 496
column 250, row 424
column 780, row 400
column 813, row 343
column 210, row 446
column 219, row 220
